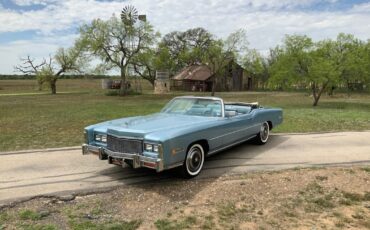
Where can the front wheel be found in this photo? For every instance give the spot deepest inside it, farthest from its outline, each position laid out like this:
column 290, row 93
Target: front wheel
column 263, row 135
column 194, row 160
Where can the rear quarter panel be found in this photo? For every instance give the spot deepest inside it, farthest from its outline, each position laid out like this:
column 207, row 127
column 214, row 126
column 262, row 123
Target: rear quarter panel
column 274, row 115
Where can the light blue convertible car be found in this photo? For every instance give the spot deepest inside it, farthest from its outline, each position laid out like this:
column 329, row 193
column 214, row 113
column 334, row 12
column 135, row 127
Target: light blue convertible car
column 182, row 134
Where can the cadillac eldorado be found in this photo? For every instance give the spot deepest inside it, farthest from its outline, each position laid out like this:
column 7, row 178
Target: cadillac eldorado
column 182, row 134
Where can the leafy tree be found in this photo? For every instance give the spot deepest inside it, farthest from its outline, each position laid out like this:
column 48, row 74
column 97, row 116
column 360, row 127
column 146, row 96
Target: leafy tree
column 50, row 70
column 186, row 48
column 323, row 70
column 302, row 61
column 216, row 59
column 351, row 57
column 117, row 42
column 150, row 60
column 256, row 66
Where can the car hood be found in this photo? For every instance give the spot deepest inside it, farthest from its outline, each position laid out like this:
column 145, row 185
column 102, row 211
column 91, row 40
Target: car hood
column 138, row 127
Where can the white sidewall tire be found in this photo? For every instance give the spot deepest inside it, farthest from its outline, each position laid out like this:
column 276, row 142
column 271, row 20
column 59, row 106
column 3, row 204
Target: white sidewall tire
column 268, row 132
column 201, row 163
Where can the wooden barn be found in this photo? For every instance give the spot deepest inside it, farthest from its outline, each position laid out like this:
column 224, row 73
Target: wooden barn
column 201, row 78
column 193, row 78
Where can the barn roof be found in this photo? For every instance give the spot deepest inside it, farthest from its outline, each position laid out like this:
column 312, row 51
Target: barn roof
column 195, row 73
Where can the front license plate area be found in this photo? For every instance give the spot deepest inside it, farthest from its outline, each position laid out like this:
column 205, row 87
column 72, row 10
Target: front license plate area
column 115, row 161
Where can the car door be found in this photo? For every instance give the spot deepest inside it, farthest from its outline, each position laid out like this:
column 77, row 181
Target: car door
column 232, row 129
column 240, row 128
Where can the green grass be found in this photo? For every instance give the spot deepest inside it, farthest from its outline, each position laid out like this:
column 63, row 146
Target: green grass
column 184, row 223
column 208, row 223
column 227, row 211
column 38, row 227
column 118, row 225
column 3, row 218
column 313, row 198
column 29, row 215
column 44, row 121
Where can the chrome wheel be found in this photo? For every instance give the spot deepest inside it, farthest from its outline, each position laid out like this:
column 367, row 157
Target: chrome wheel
column 264, row 132
column 263, row 135
column 194, row 160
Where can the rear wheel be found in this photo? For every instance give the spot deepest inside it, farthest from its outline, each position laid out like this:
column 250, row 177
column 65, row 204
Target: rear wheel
column 263, row 136
column 194, row 161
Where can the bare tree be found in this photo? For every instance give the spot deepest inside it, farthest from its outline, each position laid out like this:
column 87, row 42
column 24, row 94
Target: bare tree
column 28, row 67
column 51, row 69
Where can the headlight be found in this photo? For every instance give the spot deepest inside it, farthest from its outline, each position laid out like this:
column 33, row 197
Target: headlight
column 151, row 147
column 148, row 147
column 101, row 138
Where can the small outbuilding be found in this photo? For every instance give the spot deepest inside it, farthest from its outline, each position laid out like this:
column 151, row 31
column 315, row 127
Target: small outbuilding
column 162, row 82
column 201, row 78
column 193, row 78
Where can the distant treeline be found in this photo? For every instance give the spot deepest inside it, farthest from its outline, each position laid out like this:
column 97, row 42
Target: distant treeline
column 33, row 77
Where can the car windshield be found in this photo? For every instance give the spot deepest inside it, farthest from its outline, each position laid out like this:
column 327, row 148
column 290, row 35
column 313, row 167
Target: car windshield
column 194, row 107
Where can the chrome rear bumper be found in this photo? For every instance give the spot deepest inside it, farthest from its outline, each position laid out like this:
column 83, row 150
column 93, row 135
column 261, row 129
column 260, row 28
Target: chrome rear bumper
column 138, row 161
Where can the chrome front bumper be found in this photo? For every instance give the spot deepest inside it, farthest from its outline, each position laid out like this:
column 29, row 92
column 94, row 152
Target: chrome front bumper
column 138, row 161
column 90, row 149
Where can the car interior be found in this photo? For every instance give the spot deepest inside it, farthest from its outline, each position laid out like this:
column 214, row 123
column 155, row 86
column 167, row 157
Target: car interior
column 214, row 110
column 236, row 108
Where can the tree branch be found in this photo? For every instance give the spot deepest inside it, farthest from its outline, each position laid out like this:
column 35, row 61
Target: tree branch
column 28, row 66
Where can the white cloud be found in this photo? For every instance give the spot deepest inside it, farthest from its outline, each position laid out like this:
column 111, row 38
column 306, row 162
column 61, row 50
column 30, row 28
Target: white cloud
column 364, row 7
column 32, row 2
column 266, row 21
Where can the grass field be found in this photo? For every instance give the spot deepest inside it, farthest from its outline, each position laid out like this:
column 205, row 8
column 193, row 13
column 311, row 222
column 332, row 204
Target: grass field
column 43, row 121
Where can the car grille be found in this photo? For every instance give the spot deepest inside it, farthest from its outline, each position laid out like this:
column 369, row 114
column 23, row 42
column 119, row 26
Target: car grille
column 122, row 145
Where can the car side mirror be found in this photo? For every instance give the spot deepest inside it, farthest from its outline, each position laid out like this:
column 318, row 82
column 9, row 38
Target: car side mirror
column 230, row 113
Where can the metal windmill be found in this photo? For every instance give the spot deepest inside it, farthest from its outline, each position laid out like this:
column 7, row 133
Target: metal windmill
column 129, row 15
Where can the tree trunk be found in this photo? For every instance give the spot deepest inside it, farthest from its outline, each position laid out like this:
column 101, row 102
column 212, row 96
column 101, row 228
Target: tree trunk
column 213, row 86
column 39, row 86
column 318, row 95
column 315, row 101
column 53, row 86
column 40, row 82
column 123, row 89
column 152, row 82
column 313, row 87
column 348, row 89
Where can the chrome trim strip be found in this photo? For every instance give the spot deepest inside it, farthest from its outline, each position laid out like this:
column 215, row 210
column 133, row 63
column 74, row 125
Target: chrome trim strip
column 234, row 132
column 126, row 137
column 130, row 156
column 231, row 145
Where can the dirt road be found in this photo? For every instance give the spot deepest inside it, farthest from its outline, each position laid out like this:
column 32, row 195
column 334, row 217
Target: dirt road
column 66, row 171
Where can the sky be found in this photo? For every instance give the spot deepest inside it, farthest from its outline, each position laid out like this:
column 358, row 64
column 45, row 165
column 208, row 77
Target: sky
column 38, row 27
